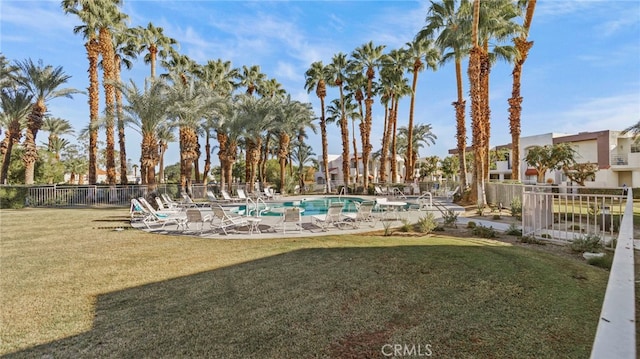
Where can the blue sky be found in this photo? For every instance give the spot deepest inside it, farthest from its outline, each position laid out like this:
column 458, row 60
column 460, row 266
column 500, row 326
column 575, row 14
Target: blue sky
column 582, row 74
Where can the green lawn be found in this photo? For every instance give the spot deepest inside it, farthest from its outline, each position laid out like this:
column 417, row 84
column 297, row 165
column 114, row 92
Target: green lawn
column 71, row 286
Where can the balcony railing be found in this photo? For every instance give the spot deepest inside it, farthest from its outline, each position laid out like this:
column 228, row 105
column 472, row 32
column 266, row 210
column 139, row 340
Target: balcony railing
column 619, row 160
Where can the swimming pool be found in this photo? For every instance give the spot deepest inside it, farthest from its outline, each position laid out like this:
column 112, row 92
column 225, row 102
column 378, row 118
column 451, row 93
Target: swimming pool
column 312, row 205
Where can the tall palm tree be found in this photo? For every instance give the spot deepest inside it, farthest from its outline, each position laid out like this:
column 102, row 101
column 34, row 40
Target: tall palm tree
column 453, row 29
column 416, row 51
column 337, row 70
column 111, row 21
column 146, row 112
column 43, row 83
column 515, row 102
column 8, row 73
column 219, row 76
column 251, row 78
column 420, row 136
column 15, row 105
column 88, row 12
column 367, row 58
column 271, row 88
column 292, row 115
column 153, row 40
column 124, row 51
column 315, row 79
column 257, row 115
column 56, row 127
column 165, row 133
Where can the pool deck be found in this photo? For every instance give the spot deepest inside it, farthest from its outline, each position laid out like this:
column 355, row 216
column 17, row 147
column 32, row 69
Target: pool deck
column 271, row 226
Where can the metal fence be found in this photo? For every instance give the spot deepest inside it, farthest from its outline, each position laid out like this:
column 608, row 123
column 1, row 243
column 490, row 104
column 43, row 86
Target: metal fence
column 549, row 214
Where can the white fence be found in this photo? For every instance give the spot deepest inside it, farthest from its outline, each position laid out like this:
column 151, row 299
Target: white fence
column 555, row 216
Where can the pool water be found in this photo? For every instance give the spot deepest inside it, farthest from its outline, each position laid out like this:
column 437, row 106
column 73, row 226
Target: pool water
column 312, row 206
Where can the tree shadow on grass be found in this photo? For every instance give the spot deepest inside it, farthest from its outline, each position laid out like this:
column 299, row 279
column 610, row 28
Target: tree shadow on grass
column 497, row 301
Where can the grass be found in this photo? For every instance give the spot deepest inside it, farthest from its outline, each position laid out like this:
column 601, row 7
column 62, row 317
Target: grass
column 71, row 286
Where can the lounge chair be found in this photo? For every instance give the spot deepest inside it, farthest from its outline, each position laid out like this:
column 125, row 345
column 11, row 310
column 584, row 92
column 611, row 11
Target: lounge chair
column 187, row 202
column 151, row 216
column 149, row 207
column 379, row 192
column 364, row 214
column 195, row 216
column 242, row 195
column 223, row 220
column 452, row 193
column 331, row 217
column 270, row 193
column 291, row 215
column 227, row 197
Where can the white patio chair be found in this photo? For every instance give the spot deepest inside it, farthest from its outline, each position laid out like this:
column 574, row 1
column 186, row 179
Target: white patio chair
column 364, row 214
column 291, row 215
column 331, row 217
column 195, row 216
column 222, row 219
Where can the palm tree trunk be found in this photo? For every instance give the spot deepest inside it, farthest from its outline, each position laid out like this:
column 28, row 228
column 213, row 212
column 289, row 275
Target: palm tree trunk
column 384, row 153
column 282, row 157
column 93, row 51
column 207, row 160
column 346, row 161
column 325, row 146
column 515, row 102
column 6, row 160
column 121, row 133
column 30, row 156
column 461, row 128
column 108, row 55
column 394, row 163
column 410, row 164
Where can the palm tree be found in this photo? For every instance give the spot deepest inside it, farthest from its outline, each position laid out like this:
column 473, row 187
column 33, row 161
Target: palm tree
column 56, row 127
column 251, row 78
column 292, row 115
column 337, row 72
column 315, row 78
column 165, row 135
column 257, row 116
column 367, row 58
column 146, row 112
column 8, row 73
column 271, row 88
column 111, row 21
column 152, row 40
column 515, row 102
column 124, row 51
column 16, row 105
column 634, row 130
column 420, row 136
column 453, row 28
column 43, row 83
column 303, row 154
column 219, row 77
column 417, row 50
column 87, row 11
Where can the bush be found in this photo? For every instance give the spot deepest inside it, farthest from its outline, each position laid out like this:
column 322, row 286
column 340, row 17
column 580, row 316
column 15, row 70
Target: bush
column 471, row 224
column 480, row 210
column 587, row 243
column 484, row 232
column 496, row 216
column 516, row 208
column 406, row 226
column 450, row 218
column 13, row 197
column 513, row 230
column 427, row 224
column 532, row 240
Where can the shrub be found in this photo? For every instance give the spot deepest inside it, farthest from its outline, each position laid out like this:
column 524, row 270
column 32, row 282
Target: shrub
column 513, row 230
column 480, row 210
column 471, row 224
column 13, row 197
column 406, row 226
column 439, row 229
column 532, row 240
column 484, row 232
column 427, row 224
column 516, row 208
column 450, row 218
column 587, row 243
column 496, row 216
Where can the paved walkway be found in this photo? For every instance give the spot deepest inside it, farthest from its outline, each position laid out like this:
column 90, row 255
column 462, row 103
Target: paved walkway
column 271, row 226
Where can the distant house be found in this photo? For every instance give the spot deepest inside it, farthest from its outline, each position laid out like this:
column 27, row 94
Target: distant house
column 336, row 175
column 616, row 154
